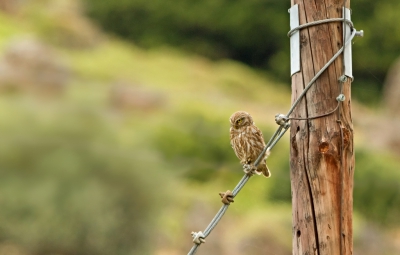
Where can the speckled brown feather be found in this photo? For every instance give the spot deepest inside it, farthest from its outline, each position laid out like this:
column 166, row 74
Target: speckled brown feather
column 247, row 141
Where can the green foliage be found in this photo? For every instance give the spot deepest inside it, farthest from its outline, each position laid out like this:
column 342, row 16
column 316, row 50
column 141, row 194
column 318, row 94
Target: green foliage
column 68, row 185
column 79, row 178
column 280, row 190
column 200, row 144
column 378, row 49
column 253, row 32
column 8, row 28
column 247, row 30
column 376, row 187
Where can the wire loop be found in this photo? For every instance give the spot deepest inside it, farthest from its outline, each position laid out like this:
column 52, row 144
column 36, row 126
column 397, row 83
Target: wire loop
column 198, row 237
column 284, row 123
column 318, row 22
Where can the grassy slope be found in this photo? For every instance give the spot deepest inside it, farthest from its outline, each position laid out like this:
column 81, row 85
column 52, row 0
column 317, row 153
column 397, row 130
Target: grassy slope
column 191, row 84
column 196, row 85
column 212, row 88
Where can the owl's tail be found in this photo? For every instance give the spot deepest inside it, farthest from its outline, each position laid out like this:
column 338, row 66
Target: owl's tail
column 262, row 168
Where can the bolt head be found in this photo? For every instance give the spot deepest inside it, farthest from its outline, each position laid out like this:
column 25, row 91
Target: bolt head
column 360, row 33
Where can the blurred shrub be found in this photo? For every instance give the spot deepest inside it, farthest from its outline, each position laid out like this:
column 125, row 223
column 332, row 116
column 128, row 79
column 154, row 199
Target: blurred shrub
column 377, row 187
column 250, row 31
column 280, row 168
column 197, row 142
column 253, row 32
column 378, row 49
column 68, row 187
column 61, row 22
column 30, row 65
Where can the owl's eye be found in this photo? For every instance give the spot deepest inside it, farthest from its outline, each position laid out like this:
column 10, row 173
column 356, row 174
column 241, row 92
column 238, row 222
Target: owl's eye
column 239, row 121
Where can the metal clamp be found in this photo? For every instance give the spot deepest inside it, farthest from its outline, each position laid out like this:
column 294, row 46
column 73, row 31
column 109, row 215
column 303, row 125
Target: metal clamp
column 281, row 119
column 341, row 98
column 198, row 237
column 294, row 40
column 342, row 78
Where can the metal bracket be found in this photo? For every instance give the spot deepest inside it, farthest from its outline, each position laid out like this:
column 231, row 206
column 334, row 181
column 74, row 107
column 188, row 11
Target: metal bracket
column 198, row 237
column 294, row 40
column 348, row 65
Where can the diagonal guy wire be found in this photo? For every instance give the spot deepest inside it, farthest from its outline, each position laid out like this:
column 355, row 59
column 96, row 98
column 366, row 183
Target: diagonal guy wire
column 319, row 74
column 279, row 132
column 271, row 143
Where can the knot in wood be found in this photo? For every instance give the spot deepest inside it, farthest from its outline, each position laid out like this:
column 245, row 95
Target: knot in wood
column 324, row 147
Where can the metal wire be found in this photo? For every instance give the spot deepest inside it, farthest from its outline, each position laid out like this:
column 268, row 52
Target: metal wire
column 318, row 22
column 271, row 143
column 283, row 127
column 319, row 74
column 318, row 116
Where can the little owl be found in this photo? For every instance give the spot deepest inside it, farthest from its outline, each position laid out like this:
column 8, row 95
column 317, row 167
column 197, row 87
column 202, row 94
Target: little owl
column 247, row 141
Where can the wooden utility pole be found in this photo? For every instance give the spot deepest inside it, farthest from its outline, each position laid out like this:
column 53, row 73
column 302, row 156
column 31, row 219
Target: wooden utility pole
column 322, row 156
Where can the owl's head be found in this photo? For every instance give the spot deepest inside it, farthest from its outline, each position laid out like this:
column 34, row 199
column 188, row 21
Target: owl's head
column 240, row 119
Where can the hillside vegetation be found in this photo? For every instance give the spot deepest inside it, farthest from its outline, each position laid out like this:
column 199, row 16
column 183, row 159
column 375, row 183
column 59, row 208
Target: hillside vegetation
column 128, row 156
column 253, row 32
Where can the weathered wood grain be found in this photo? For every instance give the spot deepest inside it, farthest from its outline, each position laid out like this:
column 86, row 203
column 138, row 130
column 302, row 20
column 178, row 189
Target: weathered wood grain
column 321, row 174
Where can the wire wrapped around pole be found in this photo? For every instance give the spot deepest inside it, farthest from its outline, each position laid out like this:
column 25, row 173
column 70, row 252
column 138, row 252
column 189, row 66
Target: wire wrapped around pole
column 284, row 124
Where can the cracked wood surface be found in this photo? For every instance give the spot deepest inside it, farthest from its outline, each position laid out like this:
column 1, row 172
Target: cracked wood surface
column 320, row 199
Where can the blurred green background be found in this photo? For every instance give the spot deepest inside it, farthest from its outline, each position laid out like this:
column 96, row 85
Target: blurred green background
column 114, row 125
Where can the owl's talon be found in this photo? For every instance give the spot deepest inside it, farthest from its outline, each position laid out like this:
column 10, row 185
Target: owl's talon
column 249, row 169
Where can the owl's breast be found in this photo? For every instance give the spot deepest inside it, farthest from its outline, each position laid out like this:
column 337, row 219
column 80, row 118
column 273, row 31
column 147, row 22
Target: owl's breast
column 237, row 134
column 239, row 142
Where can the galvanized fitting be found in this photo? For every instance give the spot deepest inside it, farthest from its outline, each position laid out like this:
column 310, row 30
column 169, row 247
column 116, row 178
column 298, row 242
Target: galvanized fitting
column 280, row 119
column 360, row 33
column 341, row 98
column 198, row 237
column 343, row 78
